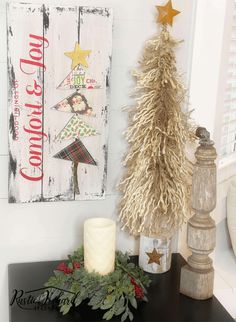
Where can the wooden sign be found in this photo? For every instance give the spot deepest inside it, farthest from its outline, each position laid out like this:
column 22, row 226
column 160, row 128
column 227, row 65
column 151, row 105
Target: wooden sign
column 59, row 66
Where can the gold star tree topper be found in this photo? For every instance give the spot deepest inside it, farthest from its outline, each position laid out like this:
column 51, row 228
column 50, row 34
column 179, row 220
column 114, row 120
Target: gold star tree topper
column 154, row 257
column 166, row 13
column 78, row 56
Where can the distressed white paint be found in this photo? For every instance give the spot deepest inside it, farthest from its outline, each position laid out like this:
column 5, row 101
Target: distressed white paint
column 58, row 173
column 92, row 28
column 22, row 21
column 99, row 40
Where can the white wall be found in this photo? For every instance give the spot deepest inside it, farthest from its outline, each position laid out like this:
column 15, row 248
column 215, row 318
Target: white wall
column 47, row 231
column 208, row 78
column 210, row 53
column 208, row 39
column 206, row 62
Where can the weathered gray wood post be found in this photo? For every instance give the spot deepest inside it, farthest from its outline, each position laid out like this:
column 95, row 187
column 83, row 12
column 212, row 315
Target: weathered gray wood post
column 197, row 277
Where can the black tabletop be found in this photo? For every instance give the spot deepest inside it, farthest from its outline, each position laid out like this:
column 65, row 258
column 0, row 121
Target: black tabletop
column 165, row 302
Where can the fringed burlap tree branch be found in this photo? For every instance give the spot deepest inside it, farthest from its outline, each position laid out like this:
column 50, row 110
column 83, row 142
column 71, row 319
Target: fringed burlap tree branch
column 156, row 184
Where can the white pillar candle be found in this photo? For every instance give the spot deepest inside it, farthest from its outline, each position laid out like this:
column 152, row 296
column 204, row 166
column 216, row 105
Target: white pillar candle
column 99, row 245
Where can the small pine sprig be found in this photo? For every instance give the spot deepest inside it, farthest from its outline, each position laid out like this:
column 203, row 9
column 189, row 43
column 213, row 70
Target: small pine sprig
column 115, row 293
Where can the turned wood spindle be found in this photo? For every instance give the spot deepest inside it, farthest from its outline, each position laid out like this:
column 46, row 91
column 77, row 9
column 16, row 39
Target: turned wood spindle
column 197, row 277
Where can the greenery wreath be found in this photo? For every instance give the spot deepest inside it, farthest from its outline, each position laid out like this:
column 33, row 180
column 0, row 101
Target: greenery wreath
column 115, row 293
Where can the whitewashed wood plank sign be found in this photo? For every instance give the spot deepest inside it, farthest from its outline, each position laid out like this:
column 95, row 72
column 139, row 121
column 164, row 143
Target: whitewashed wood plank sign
column 59, row 67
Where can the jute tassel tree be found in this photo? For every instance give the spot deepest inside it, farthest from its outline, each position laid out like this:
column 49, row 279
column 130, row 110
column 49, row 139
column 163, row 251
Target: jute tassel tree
column 157, row 178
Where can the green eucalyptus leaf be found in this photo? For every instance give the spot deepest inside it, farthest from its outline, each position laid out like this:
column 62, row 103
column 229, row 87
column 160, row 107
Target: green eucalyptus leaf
column 124, row 316
column 108, row 302
column 78, row 301
column 133, row 302
column 108, row 315
column 119, row 310
column 131, row 316
column 59, row 273
column 43, row 297
column 96, row 300
column 54, row 294
column 65, row 308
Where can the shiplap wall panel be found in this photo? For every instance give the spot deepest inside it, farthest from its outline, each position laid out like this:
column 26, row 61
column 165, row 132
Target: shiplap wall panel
column 25, row 23
column 98, row 22
column 57, row 182
column 35, row 175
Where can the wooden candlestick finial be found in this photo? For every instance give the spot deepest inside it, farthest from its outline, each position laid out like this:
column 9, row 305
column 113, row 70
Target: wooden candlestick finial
column 197, row 277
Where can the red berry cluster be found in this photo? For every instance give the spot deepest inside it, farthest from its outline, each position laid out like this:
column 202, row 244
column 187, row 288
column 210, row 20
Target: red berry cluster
column 137, row 289
column 67, row 270
column 76, row 265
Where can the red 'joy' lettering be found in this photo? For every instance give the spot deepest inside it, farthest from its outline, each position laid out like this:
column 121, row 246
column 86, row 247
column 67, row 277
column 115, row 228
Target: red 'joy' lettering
column 29, row 66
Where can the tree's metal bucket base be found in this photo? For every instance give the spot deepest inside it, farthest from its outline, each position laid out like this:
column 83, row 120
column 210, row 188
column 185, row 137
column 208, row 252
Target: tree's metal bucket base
column 155, row 254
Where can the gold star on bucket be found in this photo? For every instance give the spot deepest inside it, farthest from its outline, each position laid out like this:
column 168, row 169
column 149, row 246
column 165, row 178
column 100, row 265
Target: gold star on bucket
column 154, row 257
column 166, row 13
column 78, row 56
